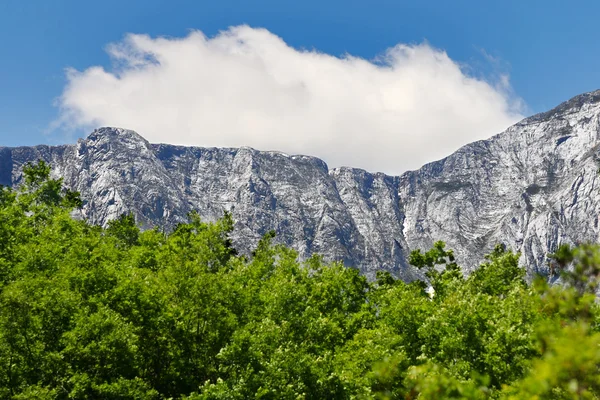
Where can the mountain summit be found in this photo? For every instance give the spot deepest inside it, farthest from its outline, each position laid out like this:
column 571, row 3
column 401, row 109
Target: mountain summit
column 531, row 188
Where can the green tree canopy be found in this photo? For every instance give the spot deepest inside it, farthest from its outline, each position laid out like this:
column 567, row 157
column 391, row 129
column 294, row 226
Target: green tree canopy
column 119, row 313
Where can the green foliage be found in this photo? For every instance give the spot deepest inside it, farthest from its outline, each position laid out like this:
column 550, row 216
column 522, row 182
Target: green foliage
column 579, row 267
column 124, row 230
column 499, row 275
column 439, row 265
column 117, row 313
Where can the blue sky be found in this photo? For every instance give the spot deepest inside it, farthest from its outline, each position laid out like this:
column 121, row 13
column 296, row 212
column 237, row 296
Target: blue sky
column 550, row 49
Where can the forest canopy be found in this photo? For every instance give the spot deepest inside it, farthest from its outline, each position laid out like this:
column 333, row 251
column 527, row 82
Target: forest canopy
column 117, row 313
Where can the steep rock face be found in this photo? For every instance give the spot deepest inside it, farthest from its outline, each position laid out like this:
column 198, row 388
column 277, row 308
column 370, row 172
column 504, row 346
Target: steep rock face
column 532, row 187
column 265, row 190
column 312, row 209
column 374, row 204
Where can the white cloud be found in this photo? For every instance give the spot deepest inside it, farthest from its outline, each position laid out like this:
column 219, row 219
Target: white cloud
column 247, row 87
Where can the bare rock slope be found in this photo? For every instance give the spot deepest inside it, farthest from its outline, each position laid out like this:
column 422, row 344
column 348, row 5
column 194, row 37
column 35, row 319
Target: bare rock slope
column 531, row 187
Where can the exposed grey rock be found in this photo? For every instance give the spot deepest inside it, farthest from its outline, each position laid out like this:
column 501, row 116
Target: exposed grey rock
column 531, row 187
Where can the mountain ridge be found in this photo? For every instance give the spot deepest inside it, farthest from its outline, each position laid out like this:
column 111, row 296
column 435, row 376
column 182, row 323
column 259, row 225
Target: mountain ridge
column 530, row 187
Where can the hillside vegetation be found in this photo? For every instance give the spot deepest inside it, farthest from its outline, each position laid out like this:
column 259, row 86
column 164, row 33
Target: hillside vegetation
column 116, row 313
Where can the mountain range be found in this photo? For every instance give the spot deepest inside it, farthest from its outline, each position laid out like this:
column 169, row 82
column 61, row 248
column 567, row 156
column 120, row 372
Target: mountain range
column 531, row 188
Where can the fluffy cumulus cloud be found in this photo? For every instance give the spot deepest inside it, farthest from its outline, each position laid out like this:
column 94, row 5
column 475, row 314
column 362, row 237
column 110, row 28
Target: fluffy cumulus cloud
column 247, row 87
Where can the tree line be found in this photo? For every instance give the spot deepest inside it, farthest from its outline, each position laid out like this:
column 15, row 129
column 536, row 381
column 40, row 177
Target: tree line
column 116, row 313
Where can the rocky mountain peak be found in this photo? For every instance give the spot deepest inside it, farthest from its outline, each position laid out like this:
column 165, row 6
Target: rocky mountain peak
column 118, row 152
column 110, row 138
column 583, row 102
column 110, row 134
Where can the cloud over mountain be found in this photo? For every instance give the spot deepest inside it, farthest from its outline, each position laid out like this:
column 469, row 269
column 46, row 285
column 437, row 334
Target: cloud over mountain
column 247, row 87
